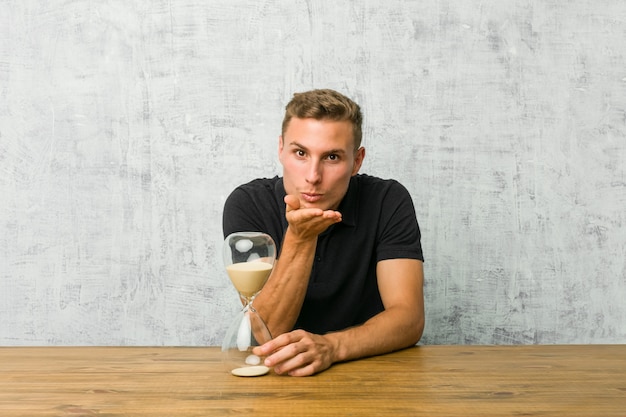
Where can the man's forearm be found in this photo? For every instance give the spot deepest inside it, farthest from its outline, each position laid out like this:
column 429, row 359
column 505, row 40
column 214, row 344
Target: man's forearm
column 281, row 299
column 393, row 329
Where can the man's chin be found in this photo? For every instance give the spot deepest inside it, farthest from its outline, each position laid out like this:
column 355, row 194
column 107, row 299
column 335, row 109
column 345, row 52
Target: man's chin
column 306, row 205
column 314, row 205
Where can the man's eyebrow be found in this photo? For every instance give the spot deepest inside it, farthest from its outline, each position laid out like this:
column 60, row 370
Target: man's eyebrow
column 329, row 152
column 296, row 144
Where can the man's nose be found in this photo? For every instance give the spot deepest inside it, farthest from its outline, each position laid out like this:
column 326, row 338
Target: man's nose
column 314, row 173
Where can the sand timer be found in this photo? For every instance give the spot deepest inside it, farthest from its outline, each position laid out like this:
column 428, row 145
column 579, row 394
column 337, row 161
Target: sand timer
column 249, row 259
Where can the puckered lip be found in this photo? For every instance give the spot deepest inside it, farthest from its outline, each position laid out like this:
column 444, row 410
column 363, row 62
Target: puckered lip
column 311, row 197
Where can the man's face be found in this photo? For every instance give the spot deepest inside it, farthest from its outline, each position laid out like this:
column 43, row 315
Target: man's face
column 318, row 159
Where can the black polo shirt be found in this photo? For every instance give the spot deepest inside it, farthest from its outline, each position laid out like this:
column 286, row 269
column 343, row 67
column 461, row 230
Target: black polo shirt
column 378, row 223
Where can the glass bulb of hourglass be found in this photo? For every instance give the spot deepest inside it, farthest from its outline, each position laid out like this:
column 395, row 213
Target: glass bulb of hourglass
column 249, row 259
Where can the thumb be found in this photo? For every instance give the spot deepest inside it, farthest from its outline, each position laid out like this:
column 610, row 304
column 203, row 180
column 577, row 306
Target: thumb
column 292, row 202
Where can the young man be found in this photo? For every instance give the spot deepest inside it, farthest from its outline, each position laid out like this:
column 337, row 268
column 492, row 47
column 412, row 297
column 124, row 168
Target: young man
column 348, row 282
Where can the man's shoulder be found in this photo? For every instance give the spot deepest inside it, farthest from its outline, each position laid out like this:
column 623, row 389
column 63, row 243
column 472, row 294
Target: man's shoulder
column 371, row 184
column 261, row 182
column 261, row 192
column 261, row 185
column 371, row 179
column 255, row 205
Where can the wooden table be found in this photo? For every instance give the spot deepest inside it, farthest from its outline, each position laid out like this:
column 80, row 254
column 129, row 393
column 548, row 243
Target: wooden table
column 425, row 380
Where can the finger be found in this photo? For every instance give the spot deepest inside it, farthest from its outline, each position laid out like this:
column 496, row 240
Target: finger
column 306, row 214
column 273, row 345
column 292, row 202
column 302, row 364
column 303, row 371
column 287, row 359
column 331, row 214
column 283, row 348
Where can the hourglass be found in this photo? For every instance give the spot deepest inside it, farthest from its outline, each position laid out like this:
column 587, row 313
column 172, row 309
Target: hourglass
column 249, row 259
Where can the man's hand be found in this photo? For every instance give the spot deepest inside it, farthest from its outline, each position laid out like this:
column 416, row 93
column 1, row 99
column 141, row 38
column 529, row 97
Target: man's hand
column 297, row 353
column 308, row 223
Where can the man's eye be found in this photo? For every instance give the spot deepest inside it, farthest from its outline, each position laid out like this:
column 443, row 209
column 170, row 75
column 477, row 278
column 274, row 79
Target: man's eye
column 333, row 157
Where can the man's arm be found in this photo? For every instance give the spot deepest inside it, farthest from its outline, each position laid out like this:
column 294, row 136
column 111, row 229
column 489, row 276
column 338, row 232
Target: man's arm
column 280, row 301
column 400, row 325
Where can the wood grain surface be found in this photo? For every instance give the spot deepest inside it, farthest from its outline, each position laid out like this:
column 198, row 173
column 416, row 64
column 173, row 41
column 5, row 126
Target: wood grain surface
column 573, row 380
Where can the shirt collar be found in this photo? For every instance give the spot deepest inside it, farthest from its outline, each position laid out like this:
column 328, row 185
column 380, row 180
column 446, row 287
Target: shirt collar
column 348, row 206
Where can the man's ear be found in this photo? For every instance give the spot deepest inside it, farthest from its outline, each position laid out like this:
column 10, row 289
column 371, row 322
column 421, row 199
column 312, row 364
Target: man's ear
column 358, row 160
column 280, row 147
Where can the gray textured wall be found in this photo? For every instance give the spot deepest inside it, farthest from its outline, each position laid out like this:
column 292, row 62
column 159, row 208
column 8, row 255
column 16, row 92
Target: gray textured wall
column 124, row 125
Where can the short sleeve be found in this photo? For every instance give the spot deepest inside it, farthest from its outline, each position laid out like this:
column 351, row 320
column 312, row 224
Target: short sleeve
column 399, row 233
column 239, row 213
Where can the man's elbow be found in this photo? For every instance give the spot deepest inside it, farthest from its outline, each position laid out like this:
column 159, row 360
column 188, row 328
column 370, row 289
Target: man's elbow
column 416, row 331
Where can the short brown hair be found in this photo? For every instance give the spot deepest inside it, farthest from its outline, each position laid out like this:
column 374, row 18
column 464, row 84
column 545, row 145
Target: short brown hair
column 325, row 104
